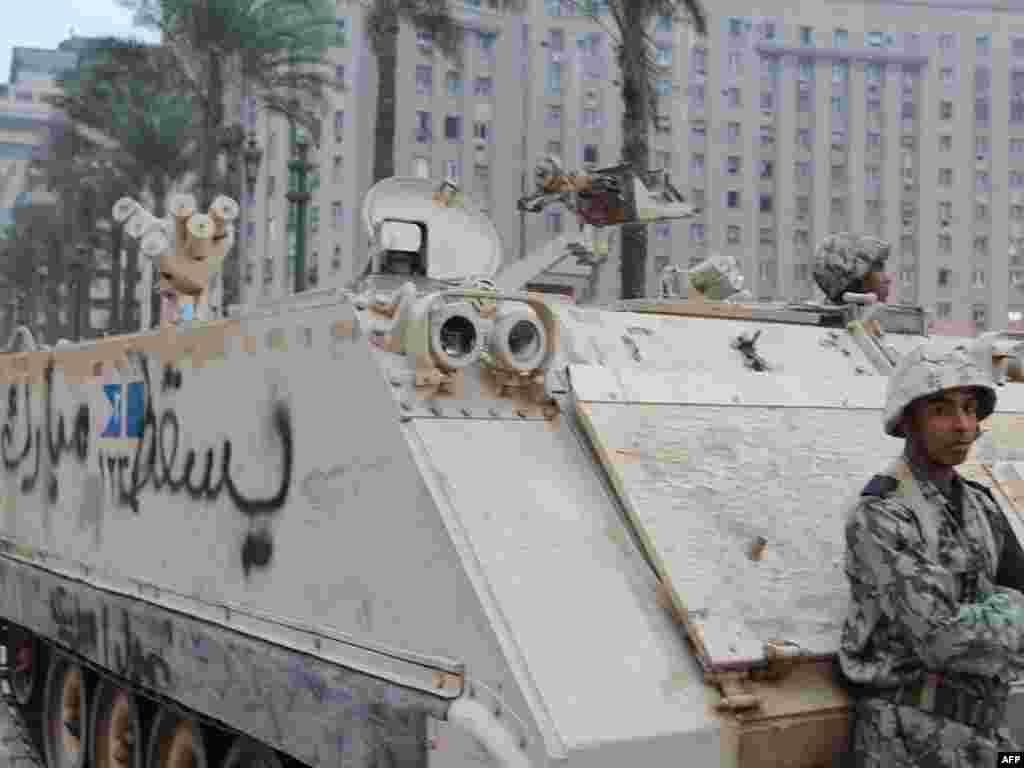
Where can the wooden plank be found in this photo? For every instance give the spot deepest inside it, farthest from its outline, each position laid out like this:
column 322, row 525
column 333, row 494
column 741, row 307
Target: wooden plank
column 817, row 740
column 202, row 342
column 803, row 721
column 701, row 483
column 603, row 383
column 691, row 308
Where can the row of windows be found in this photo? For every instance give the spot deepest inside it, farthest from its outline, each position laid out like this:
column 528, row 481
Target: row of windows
column 424, row 130
column 733, row 166
column 732, row 134
column 838, row 103
column 873, row 207
column 554, row 78
column 768, row 31
column 481, row 189
column 873, row 75
column 588, row 43
column 801, row 238
column 473, row 38
column 483, row 86
column 590, row 117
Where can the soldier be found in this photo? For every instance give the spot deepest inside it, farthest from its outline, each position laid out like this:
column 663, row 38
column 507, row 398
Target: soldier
column 848, row 263
column 935, row 628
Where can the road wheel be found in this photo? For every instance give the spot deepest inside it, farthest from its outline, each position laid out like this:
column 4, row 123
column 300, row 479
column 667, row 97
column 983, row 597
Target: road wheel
column 246, row 753
column 26, row 661
column 175, row 742
column 115, row 730
column 65, row 714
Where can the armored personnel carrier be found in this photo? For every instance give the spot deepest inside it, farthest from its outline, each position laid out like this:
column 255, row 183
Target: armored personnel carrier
column 436, row 521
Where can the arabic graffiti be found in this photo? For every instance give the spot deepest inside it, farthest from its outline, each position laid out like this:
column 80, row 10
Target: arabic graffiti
column 57, row 444
column 155, row 464
column 137, row 664
column 155, row 461
column 76, row 628
column 257, row 549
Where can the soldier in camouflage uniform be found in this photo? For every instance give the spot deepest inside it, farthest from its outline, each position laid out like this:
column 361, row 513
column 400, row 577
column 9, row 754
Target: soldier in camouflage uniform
column 935, row 631
column 845, row 262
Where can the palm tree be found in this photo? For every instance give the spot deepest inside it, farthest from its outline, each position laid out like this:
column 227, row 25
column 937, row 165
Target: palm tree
column 382, row 21
column 132, row 100
column 81, row 185
column 27, row 263
column 633, row 19
column 276, row 50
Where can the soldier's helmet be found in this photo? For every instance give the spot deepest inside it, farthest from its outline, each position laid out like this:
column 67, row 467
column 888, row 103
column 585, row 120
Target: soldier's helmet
column 931, row 368
column 843, row 258
column 548, row 168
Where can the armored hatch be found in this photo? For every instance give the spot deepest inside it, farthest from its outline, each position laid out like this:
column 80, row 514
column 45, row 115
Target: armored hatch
column 439, row 232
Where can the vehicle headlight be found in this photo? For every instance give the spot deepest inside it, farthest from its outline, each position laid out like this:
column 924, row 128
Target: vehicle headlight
column 519, row 340
column 456, row 338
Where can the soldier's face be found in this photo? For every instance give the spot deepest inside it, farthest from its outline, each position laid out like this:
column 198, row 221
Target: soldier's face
column 944, row 427
column 879, row 283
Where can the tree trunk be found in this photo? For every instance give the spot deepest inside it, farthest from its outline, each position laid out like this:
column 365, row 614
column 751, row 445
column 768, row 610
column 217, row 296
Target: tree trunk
column 384, row 143
column 33, row 293
column 53, row 291
column 129, row 290
column 636, row 126
column 231, row 270
column 117, row 309
column 159, row 187
column 210, row 149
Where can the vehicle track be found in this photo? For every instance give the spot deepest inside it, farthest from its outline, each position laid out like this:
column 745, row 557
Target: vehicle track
column 18, row 747
column 22, row 733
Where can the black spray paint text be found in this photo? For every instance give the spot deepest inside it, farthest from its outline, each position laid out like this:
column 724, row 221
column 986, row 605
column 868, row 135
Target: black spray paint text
column 57, row 443
column 76, row 628
column 155, row 463
column 132, row 661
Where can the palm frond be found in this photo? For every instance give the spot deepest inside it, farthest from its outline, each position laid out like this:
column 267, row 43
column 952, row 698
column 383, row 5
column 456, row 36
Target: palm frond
column 433, row 16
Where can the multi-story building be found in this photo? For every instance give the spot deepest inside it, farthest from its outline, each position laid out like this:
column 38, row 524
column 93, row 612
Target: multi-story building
column 546, row 76
column 904, row 119
column 27, row 125
column 25, row 120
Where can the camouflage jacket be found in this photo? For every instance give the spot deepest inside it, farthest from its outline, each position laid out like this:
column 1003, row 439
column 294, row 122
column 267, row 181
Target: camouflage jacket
column 931, row 589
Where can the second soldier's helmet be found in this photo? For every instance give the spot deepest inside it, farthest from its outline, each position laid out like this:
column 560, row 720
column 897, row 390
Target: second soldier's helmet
column 931, row 368
column 842, row 259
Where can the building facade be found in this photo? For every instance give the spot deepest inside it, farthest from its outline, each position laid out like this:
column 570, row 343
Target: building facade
column 27, row 125
column 903, row 119
column 546, row 76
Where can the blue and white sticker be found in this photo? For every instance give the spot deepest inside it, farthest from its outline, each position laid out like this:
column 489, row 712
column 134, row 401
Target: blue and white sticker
column 127, row 410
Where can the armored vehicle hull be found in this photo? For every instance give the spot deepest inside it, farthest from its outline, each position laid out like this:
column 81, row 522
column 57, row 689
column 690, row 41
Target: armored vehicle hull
column 419, row 523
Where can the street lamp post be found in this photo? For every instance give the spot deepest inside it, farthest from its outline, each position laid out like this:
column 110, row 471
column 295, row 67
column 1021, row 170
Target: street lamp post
column 300, row 167
column 232, row 140
column 79, row 300
column 104, row 238
column 76, row 298
column 42, row 274
column 252, row 155
column 13, row 310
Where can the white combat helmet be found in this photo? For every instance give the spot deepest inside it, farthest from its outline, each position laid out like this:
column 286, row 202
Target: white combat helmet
column 929, row 369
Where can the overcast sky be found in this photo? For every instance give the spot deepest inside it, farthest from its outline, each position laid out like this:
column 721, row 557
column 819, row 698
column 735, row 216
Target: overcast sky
column 45, row 23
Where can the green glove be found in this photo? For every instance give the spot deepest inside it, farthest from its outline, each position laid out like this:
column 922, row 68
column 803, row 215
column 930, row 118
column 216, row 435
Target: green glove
column 997, row 610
